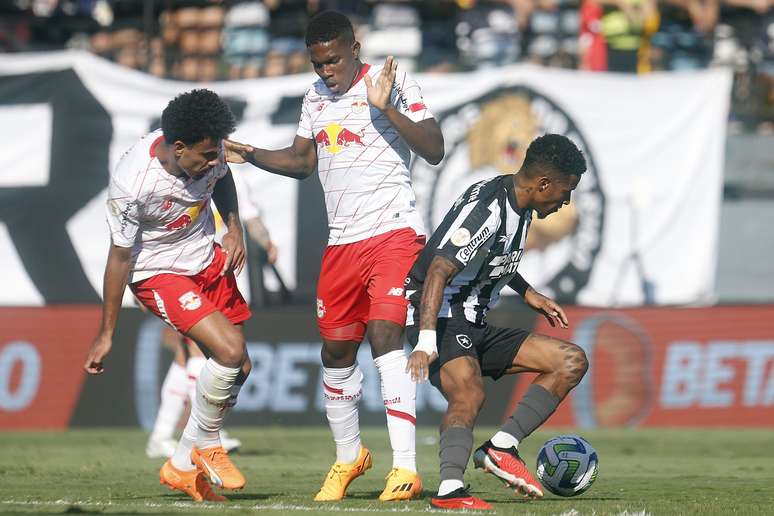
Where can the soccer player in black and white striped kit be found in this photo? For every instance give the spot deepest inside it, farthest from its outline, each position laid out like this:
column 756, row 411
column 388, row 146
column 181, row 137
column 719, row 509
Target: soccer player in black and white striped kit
column 472, row 255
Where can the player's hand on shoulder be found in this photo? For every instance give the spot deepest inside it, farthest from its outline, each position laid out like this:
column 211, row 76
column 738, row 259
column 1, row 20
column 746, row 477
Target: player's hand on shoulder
column 379, row 89
column 234, row 246
column 550, row 309
column 97, row 353
column 237, row 152
column 418, row 365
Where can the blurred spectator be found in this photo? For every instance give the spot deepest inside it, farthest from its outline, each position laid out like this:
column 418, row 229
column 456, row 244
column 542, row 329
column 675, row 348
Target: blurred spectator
column 552, row 33
column 745, row 42
column 439, row 45
column 288, row 20
column 488, row 34
column 246, row 39
column 684, row 40
column 394, row 30
column 627, row 26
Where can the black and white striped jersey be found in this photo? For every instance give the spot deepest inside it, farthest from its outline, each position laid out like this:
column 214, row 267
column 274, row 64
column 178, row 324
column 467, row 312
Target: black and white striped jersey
column 484, row 234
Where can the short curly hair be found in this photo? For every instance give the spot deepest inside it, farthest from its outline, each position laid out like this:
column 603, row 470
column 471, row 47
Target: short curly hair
column 327, row 26
column 196, row 115
column 554, row 154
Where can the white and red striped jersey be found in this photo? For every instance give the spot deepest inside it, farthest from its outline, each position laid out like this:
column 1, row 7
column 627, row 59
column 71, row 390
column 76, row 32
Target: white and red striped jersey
column 166, row 220
column 362, row 160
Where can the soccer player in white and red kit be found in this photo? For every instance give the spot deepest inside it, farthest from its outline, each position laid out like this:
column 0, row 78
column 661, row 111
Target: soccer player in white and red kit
column 163, row 245
column 358, row 126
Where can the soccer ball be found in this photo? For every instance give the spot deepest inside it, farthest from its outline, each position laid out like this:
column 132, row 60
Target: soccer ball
column 567, row 465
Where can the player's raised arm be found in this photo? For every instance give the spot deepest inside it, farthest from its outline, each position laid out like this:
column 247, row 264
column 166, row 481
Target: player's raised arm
column 298, row 161
column 116, row 274
column 422, row 135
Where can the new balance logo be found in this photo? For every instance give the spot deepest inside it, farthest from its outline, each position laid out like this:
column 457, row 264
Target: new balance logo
column 395, row 291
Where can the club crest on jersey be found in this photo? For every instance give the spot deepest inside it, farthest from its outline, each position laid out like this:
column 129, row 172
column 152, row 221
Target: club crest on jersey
column 334, row 138
column 190, row 301
column 464, row 341
column 489, row 136
column 167, row 204
column 460, row 237
column 359, row 106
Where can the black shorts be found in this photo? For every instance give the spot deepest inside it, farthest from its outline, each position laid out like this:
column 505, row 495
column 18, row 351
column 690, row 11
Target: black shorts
column 493, row 347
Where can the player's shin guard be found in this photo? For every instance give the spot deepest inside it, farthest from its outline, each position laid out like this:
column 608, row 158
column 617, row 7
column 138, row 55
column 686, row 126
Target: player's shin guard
column 174, row 394
column 533, row 410
column 213, row 395
column 342, row 389
column 194, row 367
column 399, row 393
column 454, row 452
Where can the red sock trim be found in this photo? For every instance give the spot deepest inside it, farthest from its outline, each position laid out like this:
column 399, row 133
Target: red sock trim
column 403, row 415
column 332, row 389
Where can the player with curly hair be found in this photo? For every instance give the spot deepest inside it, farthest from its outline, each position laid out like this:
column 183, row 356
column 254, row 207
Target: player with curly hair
column 472, row 255
column 163, row 246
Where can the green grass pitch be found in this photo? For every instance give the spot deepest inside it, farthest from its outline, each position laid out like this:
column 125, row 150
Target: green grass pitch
column 641, row 472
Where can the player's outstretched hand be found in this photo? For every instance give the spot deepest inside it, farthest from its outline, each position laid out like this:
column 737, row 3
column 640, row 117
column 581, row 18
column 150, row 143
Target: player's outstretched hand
column 97, row 353
column 548, row 307
column 234, row 247
column 237, row 152
column 419, row 365
column 378, row 90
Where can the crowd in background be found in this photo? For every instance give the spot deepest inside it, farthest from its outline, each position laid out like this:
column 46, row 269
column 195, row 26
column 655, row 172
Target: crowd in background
column 206, row 40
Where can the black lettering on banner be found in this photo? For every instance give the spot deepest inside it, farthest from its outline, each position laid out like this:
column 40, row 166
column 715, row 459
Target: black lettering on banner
column 37, row 216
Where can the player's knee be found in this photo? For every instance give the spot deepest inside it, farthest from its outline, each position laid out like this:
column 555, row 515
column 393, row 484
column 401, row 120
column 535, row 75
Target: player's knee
column 338, row 354
column 468, row 402
column 575, row 364
column 233, row 352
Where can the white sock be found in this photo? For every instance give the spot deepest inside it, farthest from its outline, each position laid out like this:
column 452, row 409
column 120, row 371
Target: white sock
column 174, row 394
column 447, row 486
column 342, row 389
column 399, row 393
column 194, row 368
column 504, row 440
column 181, row 459
column 213, row 391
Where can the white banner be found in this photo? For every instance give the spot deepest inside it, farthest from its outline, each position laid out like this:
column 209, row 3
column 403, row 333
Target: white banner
column 642, row 228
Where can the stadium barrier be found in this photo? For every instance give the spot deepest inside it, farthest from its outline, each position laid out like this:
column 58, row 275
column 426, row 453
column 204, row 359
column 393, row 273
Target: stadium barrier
column 649, row 367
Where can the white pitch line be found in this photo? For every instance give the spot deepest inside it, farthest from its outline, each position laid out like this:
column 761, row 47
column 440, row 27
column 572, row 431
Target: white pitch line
column 221, row 507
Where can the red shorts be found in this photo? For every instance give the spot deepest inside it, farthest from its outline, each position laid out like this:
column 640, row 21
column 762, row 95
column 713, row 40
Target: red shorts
column 183, row 301
column 363, row 281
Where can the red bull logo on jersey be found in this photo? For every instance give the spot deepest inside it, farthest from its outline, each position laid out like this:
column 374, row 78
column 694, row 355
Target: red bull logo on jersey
column 334, row 138
column 184, row 220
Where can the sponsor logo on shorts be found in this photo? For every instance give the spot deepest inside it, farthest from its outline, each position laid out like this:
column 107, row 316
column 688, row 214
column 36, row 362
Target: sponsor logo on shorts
column 190, row 301
column 320, row 308
column 464, row 341
column 395, row 291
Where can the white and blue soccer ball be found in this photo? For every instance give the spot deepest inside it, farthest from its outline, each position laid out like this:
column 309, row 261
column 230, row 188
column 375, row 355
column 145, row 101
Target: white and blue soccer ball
column 567, row 465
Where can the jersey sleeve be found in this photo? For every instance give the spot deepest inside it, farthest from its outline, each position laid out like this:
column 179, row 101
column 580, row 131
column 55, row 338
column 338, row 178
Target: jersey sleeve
column 122, row 215
column 473, row 229
column 407, row 98
column 305, row 122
